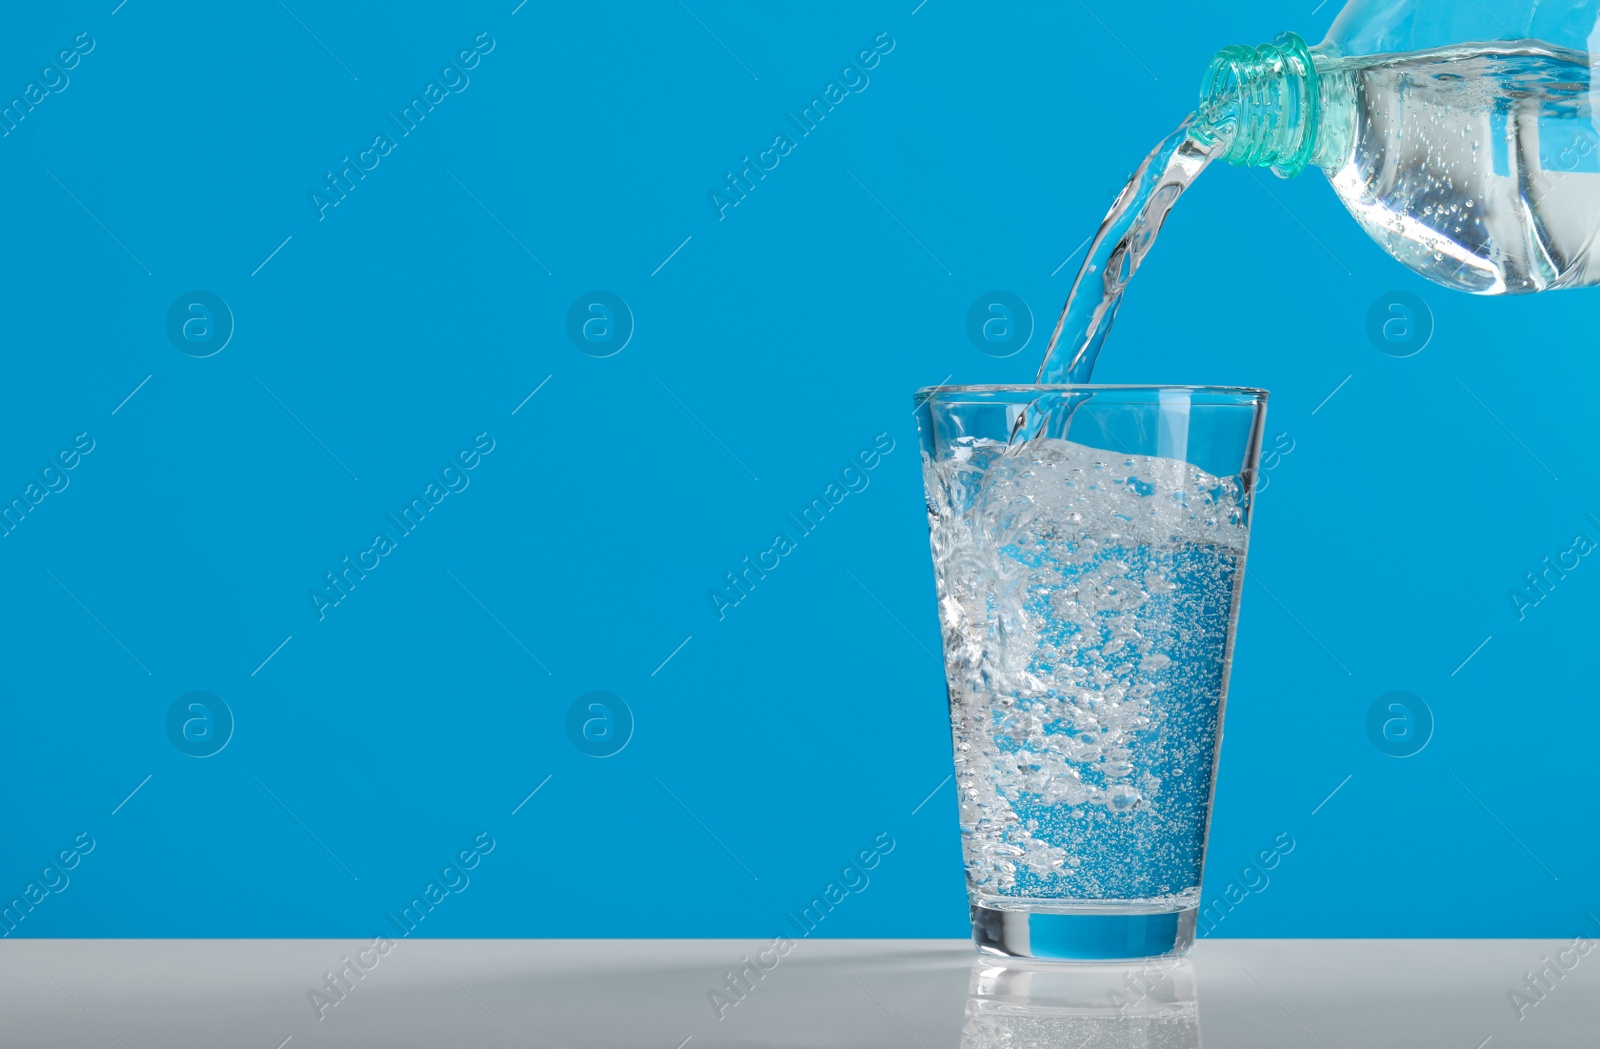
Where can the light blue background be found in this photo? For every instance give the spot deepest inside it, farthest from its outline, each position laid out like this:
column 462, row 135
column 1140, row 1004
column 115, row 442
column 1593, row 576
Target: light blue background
column 780, row 741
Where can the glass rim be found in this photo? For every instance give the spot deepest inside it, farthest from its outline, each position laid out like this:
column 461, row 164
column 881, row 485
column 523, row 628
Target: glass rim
column 1242, row 393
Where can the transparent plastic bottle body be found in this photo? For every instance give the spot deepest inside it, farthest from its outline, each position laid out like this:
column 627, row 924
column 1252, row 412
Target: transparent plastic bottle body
column 1461, row 136
column 1478, row 169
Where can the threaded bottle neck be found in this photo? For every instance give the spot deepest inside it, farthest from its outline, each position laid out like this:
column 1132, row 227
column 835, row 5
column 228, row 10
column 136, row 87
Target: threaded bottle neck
column 1264, row 103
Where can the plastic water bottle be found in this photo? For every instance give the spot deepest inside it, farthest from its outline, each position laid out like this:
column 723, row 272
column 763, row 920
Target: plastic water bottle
column 1461, row 134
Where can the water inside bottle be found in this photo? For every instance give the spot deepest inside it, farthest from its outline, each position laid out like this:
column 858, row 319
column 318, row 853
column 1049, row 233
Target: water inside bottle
column 1477, row 168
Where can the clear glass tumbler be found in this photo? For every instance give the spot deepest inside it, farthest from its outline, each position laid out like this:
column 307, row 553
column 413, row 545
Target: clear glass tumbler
column 1089, row 552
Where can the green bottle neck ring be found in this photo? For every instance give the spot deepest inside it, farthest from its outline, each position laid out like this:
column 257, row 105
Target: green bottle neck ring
column 1264, row 103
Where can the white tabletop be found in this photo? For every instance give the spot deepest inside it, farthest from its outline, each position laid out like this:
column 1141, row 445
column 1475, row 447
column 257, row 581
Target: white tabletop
column 898, row 994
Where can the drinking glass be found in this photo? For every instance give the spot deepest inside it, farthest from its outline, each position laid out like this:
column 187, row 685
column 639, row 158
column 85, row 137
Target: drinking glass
column 1089, row 552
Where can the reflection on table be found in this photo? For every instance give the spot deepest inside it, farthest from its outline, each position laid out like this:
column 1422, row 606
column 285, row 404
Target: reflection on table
column 1144, row 1006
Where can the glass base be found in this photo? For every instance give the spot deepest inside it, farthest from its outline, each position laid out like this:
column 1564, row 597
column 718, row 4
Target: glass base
column 1072, row 931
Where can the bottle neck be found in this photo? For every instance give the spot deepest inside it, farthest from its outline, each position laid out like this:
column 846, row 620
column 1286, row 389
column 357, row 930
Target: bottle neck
column 1265, row 105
